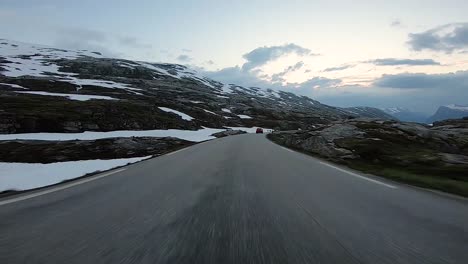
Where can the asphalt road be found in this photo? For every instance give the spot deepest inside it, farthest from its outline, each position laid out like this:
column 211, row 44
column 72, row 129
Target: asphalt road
column 241, row 199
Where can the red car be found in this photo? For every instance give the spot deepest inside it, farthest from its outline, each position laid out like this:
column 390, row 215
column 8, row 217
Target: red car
column 259, row 131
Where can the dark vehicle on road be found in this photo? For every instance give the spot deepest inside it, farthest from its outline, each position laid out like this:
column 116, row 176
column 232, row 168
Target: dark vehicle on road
column 259, row 131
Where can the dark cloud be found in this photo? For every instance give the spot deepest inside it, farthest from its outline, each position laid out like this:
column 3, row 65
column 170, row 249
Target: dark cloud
column 133, row 43
column 307, row 71
column 184, row 58
column 263, row 55
column 339, row 68
column 408, row 62
column 95, row 40
column 425, row 81
column 210, row 62
column 84, row 39
column 88, row 35
column 445, row 38
column 279, row 77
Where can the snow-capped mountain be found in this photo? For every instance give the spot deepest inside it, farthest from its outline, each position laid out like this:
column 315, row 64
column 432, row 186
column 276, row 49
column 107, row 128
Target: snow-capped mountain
column 45, row 89
column 405, row 114
column 369, row 112
column 452, row 111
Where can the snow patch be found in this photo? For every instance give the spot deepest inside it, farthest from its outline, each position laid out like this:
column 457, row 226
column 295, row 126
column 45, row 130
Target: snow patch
column 458, row 107
column 226, row 110
column 25, row 176
column 244, row 116
column 190, row 135
column 182, row 115
column 14, row 86
column 226, row 88
column 213, row 113
column 77, row 97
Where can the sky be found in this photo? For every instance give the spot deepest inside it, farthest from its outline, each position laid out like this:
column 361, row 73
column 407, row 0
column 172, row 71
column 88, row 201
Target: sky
column 411, row 54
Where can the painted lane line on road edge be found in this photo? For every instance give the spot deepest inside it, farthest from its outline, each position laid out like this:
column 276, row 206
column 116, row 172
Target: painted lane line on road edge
column 287, row 149
column 59, row 188
column 174, row 152
column 359, row 176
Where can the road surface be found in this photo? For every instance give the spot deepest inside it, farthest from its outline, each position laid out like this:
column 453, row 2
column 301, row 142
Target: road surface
column 240, row 199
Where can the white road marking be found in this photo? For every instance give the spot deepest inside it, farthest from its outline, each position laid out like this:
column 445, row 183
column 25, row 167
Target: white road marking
column 359, row 176
column 174, row 152
column 59, row 187
column 287, row 149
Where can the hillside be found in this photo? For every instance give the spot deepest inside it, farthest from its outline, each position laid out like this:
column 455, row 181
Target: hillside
column 449, row 112
column 66, row 107
column 370, row 112
column 54, row 90
column 406, row 115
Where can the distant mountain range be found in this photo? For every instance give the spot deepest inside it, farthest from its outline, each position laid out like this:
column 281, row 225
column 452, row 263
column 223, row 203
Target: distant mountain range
column 370, row 112
column 452, row 111
column 405, row 114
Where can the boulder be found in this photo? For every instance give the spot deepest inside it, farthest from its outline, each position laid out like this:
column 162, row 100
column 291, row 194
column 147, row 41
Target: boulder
column 228, row 133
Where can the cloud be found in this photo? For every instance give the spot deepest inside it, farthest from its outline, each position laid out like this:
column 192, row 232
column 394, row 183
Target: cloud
column 186, row 50
column 444, row 81
column 279, row 77
column 249, row 75
column 445, row 38
column 133, row 43
column 210, row 62
column 84, row 39
column 409, row 62
column 262, row 55
column 396, row 23
column 95, row 40
column 317, row 83
column 339, row 68
column 184, row 58
column 236, row 75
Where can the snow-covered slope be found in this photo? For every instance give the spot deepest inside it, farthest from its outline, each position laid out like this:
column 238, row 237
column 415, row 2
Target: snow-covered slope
column 118, row 94
column 122, row 94
column 370, row 112
column 405, row 114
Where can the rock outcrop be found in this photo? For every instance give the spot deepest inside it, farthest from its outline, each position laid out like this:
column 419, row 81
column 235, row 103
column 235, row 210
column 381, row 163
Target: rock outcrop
column 36, row 151
column 441, row 150
column 228, row 133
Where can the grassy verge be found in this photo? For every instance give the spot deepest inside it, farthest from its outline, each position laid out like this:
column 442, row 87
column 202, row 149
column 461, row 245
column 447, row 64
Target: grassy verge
column 409, row 177
column 416, row 175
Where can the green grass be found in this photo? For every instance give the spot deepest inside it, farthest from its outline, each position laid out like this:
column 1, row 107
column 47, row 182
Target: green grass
column 425, row 181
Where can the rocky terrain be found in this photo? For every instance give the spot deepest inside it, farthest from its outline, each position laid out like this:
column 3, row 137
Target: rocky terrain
column 370, row 112
column 435, row 157
column 40, row 151
column 44, row 89
column 228, row 133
